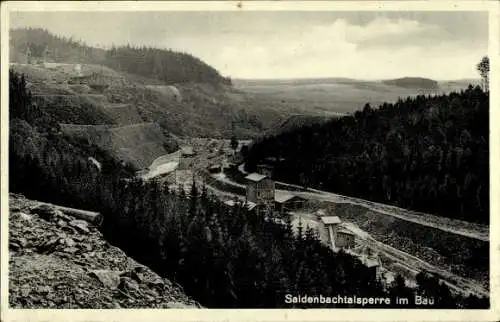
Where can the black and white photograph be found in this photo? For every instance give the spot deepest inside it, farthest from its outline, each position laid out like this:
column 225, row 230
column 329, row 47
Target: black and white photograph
column 229, row 157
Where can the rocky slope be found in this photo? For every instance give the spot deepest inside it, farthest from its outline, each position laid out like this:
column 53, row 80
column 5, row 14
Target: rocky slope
column 59, row 261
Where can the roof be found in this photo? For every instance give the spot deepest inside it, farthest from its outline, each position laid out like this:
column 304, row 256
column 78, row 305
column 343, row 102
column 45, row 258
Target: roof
column 282, row 197
column 187, row 150
column 346, row 231
column 369, row 261
column 255, row 177
column 230, row 203
column 329, row 220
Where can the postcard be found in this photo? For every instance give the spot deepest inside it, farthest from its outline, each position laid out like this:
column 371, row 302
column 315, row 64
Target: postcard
column 248, row 160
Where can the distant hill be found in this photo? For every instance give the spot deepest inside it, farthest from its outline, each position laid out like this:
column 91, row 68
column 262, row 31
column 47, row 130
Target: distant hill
column 413, row 82
column 34, row 44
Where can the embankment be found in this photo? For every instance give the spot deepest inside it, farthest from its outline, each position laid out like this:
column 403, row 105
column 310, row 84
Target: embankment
column 138, row 144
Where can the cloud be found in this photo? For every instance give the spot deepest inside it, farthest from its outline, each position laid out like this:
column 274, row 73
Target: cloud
column 339, row 49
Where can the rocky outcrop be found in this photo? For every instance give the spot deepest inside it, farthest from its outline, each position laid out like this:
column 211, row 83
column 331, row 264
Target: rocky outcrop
column 59, row 261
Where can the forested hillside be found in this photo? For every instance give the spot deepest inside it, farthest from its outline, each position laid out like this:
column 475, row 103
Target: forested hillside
column 223, row 257
column 428, row 153
column 165, row 65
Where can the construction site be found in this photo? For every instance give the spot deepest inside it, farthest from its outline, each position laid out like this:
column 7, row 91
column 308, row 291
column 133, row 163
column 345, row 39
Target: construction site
column 380, row 236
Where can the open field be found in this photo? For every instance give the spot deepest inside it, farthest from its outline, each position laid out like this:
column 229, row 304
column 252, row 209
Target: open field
column 336, row 96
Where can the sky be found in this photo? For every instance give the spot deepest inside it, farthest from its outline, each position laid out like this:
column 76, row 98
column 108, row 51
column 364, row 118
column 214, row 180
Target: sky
column 291, row 44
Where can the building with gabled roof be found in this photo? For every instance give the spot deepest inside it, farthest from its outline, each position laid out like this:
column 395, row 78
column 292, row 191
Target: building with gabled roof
column 260, row 190
column 345, row 238
column 331, row 225
column 373, row 263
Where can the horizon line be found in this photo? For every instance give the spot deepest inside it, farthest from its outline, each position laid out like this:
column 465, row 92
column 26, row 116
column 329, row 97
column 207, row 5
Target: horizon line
column 349, row 78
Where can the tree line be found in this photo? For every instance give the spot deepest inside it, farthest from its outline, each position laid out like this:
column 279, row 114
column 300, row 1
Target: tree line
column 223, row 256
column 426, row 153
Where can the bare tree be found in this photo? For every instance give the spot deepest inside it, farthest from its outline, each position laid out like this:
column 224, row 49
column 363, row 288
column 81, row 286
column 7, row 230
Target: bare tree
column 483, row 68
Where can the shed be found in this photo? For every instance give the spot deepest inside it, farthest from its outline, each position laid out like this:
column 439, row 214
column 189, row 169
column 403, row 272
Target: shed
column 345, row 238
column 287, row 202
column 330, row 224
column 373, row 263
column 186, row 158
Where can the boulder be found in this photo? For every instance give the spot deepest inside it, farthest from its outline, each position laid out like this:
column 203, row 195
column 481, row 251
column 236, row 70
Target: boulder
column 109, row 279
column 128, row 285
column 24, row 216
column 70, row 250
